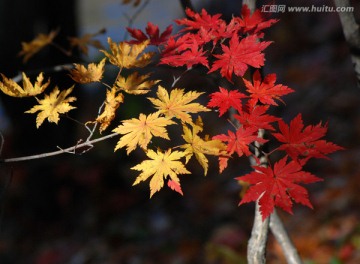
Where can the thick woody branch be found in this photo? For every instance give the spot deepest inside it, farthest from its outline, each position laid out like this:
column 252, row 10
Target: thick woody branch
column 257, row 242
column 351, row 32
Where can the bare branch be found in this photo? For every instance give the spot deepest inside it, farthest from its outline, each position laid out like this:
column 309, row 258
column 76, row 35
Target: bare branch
column 72, row 150
column 57, row 68
column 351, row 32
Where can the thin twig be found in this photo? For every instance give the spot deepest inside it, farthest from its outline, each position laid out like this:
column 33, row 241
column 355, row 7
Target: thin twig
column 133, row 17
column 176, row 79
column 61, row 151
column 57, row 68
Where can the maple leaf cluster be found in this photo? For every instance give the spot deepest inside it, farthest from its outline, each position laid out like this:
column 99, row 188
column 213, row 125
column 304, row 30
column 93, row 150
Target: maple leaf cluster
column 231, row 49
column 226, row 49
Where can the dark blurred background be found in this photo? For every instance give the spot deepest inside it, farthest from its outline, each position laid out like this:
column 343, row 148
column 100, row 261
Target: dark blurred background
column 83, row 209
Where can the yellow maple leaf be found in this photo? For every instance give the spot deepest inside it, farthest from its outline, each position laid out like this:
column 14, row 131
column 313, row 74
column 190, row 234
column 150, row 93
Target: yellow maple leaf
column 93, row 73
column 125, row 55
column 177, row 104
column 34, row 46
column 112, row 103
column 86, row 40
column 159, row 167
column 52, row 105
column 140, row 131
column 200, row 147
column 11, row 88
column 135, row 83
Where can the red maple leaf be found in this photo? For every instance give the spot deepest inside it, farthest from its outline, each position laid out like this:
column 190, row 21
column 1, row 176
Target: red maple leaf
column 278, row 186
column 239, row 55
column 301, row 143
column 185, row 51
column 207, row 27
column 255, row 22
column 175, row 186
column 153, row 34
column 174, row 46
column 265, row 91
column 226, row 99
column 256, row 117
column 202, row 20
column 239, row 142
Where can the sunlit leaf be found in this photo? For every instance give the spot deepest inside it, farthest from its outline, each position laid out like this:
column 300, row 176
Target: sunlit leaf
column 177, row 104
column 11, row 88
column 160, row 166
column 112, row 102
column 52, row 106
column 135, row 83
column 140, row 131
column 125, row 55
column 93, row 73
column 199, row 147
